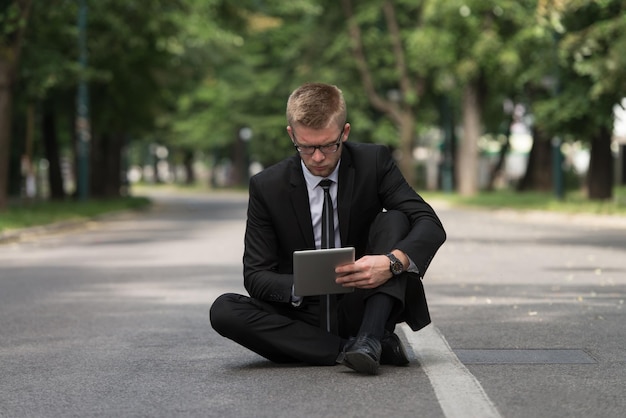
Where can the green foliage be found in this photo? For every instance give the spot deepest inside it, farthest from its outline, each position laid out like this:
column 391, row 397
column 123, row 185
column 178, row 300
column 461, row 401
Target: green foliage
column 49, row 59
column 588, row 38
column 132, row 89
column 9, row 19
column 247, row 84
column 595, row 45
column 190, row 74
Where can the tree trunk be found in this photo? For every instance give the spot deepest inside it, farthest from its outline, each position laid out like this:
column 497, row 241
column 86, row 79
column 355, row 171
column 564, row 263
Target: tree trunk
column 96, row 165
column 496, row 170
column 448, row 149
column 405, row 161
column 190, row 177
column 75, row 159
column 10, row 49
column 5, row 128
column 399, row 111
column 622, row 171
column 106, row 164
column 113, row 161
column 51, row 150
column 600, row 175
column 239, row 157
column 468, row 147
column 538, row 174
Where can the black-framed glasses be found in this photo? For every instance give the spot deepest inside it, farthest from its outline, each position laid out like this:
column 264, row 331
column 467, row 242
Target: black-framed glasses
column 310, row 149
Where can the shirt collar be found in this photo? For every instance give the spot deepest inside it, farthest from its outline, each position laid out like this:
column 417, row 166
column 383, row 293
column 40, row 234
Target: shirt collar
column 312, row 181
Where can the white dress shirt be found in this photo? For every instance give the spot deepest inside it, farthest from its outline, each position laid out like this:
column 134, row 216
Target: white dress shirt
column 316, row 202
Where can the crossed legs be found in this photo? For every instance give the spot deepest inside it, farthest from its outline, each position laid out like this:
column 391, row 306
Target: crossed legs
column 283, row 333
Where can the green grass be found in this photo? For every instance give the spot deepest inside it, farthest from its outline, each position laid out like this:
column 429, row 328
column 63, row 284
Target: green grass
column 573, row 202
column 26, row 214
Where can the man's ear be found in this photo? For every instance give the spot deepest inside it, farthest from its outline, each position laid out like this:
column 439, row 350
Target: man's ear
column 346, row 132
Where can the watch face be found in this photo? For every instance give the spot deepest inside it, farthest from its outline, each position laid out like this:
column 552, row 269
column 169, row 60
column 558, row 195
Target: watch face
column 396, row 267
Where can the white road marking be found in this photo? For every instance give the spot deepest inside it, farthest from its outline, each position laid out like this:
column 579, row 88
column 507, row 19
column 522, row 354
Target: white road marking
column 459, row 393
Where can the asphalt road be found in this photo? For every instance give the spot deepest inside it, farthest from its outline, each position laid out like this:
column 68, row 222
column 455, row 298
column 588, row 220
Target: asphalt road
column 111, row 320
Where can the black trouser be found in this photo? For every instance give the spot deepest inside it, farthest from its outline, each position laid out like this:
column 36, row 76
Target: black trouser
column 283, row 333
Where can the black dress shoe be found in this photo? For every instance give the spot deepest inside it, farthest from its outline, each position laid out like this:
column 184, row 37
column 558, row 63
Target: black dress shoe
column 393, row 352
column 362, row 355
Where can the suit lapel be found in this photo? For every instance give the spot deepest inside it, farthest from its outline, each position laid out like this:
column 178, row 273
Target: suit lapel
column 344, row 194
column 299, row 197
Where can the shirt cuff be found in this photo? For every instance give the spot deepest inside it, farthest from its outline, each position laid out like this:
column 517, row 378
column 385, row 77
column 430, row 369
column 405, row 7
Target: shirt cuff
column 295, row 300
column 412, row 267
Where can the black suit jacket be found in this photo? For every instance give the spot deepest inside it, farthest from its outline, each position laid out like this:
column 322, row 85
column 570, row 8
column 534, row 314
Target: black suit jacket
column 279, row 222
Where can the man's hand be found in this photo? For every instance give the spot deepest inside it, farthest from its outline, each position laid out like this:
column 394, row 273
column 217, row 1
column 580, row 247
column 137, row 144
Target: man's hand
column 367, row 272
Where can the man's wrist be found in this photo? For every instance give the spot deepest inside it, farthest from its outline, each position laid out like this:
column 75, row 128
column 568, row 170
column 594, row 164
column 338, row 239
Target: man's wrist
column 396, row 266
column 404, row 259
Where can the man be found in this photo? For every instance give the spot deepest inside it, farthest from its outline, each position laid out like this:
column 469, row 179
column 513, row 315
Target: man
column 395, row 234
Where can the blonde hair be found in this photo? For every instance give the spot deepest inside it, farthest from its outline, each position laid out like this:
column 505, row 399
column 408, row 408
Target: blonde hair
column 316, row 106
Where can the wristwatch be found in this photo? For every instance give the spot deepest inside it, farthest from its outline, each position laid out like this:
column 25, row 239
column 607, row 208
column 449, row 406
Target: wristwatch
column 395, row 265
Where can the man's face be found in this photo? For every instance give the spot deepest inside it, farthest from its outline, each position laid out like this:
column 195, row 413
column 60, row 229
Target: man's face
column 320, row 149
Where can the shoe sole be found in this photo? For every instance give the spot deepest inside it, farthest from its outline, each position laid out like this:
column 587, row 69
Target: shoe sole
column 361, row 363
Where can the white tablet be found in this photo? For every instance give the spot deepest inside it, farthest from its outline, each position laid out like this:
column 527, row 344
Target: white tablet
column 314, row 271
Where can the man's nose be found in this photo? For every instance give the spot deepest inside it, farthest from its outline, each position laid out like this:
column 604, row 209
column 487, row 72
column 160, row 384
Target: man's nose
column 318, row 155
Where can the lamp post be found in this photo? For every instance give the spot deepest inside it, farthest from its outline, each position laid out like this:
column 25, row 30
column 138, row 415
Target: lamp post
column 557, row 168
column 447, row 147
column 82, row 108
column 245, row 135
column 557, row 156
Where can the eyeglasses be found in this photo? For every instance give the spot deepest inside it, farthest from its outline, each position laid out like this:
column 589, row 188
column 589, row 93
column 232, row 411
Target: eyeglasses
column 310, row 149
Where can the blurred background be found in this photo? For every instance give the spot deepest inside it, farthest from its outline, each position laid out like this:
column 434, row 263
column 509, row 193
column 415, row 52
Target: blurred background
column 97, row 96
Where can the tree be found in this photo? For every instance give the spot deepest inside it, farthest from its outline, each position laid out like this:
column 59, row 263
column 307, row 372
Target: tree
column 190, row 74
column 132, row 73
column 594, row 47
column 592, row 80
column 462, row 50
column 537, row 83
column 131, row 90
column 47, row 85
column 480, row 68
column 259, row 53
column 397, row 93
column 13, row 21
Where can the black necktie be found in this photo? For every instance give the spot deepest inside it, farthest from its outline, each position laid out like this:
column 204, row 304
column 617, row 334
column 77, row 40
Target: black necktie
column 328, row 216
column 328, row 304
